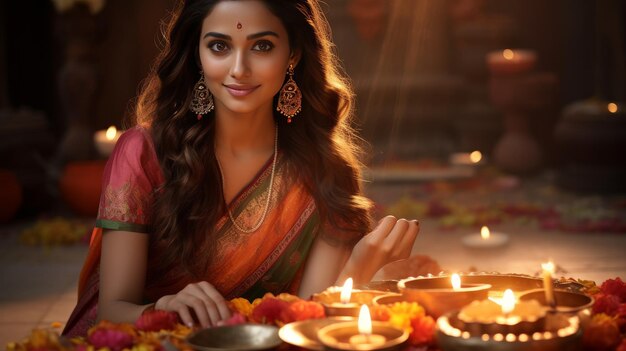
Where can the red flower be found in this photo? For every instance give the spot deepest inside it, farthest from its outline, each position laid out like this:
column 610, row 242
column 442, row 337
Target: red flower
column 607, row 304
column 235, row 319
column 423, row 331
column 614, row 287
column 114, row 336
column 620, row 317
column 157, row 320
column 269, row 310
column 601, row 333
column 302, row 310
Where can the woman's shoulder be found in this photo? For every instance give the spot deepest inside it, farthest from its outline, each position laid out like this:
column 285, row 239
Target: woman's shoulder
column 136, row 136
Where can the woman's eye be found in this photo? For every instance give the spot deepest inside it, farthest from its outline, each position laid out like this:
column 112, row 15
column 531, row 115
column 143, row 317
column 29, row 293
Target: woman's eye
column 263, row 45
column 218, row 46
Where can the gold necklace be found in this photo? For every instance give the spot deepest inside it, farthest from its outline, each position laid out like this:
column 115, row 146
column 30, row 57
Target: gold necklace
column 269, row 191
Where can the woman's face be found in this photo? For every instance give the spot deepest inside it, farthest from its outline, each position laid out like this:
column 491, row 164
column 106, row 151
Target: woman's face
column 245, row 54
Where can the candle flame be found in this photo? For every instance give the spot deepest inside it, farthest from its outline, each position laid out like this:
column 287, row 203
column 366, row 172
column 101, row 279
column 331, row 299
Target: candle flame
column 456, row 281
column 548, row 267
column 365, row 321
column 346, row 291
column 508, row 301
column 111, row 133
column 508, row 54
column 484, row 233
column 612, row 107
column 476, row 156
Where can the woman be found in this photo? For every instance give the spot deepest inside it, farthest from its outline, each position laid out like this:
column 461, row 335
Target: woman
column 241, row 176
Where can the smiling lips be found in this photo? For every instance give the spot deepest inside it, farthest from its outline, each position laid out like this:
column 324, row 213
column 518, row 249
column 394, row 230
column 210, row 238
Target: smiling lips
column 240, row 90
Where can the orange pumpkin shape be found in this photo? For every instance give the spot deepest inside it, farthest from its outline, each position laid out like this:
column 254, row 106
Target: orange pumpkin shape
column 81, row 185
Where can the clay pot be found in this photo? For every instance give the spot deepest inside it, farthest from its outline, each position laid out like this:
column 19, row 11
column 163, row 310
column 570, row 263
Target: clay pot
column 10, row 195
column 81, row 185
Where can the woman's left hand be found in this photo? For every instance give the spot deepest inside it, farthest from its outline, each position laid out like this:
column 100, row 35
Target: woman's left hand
column 390, row 241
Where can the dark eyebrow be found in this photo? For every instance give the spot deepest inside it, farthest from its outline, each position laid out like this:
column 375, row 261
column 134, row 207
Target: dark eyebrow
column 249, row 37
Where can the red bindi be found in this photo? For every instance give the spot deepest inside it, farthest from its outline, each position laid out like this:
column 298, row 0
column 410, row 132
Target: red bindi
column 239, row 26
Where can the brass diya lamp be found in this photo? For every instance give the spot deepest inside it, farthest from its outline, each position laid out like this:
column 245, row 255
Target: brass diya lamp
column 507, row 324
column 442, row 294
column 345, row 301
column 568, row 303
column 362, row 335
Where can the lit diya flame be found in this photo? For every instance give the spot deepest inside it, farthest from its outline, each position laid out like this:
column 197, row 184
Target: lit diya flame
column 111, row 133
column 476, row 156
column 456, row 281
column 548, row 267
column 484, row 232
column 365, row 321
column 346, row 291
column 508, row 301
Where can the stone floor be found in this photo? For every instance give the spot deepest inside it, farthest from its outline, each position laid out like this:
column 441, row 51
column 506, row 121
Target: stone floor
column 38, row 285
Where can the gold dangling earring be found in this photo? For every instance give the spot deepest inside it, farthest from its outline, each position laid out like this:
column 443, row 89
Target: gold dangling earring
column 290, row 99
column 202, row 100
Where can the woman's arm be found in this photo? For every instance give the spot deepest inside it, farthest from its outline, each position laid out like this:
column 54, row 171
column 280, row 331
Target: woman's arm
column 122, row 280
column 328, row 265
column 122, row 275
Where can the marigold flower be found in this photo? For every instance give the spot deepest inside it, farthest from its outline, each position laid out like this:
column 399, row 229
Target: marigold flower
column 242, row 306
column 301, row 310
column 157, row 320
column 380, row 313
column 423, row 331
column 601, row 333
column 288, row 297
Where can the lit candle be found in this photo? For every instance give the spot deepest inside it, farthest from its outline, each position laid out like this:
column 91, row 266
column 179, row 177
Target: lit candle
column 346, row 291
column 343, row 307
column 548, row 270
column 105, row 140
column 365, row 336
column 507, row 304
column 486, row 239
column 509, row 61
column 456, row 281
column 466, row 158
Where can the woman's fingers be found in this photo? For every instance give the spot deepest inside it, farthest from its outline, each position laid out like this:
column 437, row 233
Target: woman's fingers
column 382, row 230
column 399, row 242
column 408, row 240
column 218, row 304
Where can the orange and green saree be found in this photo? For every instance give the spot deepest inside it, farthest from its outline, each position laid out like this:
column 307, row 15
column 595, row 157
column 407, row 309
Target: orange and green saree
column 243, row 264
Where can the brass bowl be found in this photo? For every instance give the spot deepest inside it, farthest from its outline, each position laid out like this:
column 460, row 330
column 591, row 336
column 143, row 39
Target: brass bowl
column 304, row 333
column 567, row 302
column 360, row 297
column 388, row 299
column 380, row 285
column 436, row 295
column 337, row 337
column 236, row 337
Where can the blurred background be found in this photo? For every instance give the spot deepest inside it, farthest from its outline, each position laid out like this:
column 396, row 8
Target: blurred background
column 426, row 88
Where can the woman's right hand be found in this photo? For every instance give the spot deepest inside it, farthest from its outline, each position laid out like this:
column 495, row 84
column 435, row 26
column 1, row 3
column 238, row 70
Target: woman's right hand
column 202, row 299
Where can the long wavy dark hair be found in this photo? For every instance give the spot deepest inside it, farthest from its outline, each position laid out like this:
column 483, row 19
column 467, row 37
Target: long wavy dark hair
column 320, row 144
